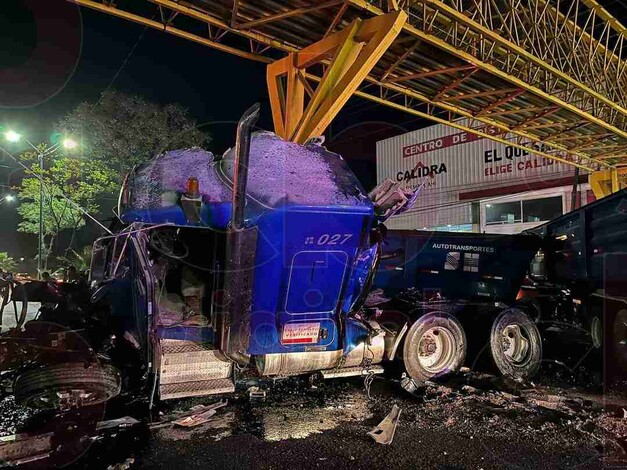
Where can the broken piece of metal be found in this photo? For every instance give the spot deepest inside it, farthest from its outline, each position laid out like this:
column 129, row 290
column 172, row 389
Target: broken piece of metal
column 384, row 432
column 125, row 422
column 256, row 393
column 198, row 414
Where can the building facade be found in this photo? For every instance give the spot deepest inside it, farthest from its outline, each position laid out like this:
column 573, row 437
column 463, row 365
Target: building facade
column 469, row 183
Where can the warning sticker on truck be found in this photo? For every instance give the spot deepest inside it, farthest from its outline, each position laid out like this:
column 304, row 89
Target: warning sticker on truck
column 301, row 333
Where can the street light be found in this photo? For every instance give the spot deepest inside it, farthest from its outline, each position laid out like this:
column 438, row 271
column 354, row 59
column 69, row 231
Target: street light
column 67, row 143
column 12, row 136
column 7, row 198
column 70, row 143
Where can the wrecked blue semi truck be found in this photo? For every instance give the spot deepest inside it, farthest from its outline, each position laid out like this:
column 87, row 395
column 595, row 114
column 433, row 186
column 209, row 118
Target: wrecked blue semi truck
column 259, row 263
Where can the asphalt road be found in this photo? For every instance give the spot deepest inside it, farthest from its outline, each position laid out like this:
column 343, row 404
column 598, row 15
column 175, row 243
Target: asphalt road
column 563, row 419
column 473, row 421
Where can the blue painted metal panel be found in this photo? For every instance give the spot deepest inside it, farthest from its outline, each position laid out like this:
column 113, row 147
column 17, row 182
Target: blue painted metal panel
column 304, row 262
column 214, row 216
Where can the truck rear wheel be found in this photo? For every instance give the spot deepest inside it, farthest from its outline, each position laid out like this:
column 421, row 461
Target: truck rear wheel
column 435, row 345
column 619, row 340
column 596, row 331
column 516, row 345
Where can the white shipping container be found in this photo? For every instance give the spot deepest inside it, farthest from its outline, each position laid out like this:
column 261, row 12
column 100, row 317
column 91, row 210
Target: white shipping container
column 451, row 165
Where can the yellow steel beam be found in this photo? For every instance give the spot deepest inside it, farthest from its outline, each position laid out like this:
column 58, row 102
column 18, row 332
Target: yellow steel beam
column 288, row 14
column 436, row 41
column 604, row 183
column 593, row 165
column 384, row 98
column 349, row 54
column 169, row 29
column 573, row 26
column 497, row 38
column 483, row 94
column 205, row 18
column 482, row 131
column 429, row 73
column 605, row 16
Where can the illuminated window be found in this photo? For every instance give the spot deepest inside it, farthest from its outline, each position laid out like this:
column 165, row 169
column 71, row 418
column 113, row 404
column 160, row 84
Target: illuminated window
column 531, row 210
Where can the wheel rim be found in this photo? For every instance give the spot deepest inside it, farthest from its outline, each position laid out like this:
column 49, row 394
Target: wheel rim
column 620, row 333
column 515, row 344
column 596, row 331
column 436, row 350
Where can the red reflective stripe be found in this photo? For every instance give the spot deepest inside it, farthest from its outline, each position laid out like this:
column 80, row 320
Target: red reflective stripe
column 298, row 340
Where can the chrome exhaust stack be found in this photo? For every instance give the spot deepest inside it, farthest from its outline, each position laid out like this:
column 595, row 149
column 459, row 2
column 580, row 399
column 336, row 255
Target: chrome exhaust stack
column 241, row 244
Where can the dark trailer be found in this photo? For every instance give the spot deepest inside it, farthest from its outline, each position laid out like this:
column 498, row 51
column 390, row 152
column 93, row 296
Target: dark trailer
column 580, row 273
column 473, row 279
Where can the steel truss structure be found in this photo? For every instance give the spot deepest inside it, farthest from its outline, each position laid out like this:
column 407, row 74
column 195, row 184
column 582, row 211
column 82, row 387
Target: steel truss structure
column 544, row 73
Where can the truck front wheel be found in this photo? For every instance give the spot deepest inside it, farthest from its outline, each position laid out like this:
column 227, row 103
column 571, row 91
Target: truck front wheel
column 435, row 346
column 619, row 340
column 516, row 345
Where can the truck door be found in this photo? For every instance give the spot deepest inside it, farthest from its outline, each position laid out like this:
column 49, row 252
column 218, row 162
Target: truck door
column 143, row 294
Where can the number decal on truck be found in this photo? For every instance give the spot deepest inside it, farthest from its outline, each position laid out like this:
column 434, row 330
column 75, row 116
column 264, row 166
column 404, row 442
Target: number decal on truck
column 329, row 239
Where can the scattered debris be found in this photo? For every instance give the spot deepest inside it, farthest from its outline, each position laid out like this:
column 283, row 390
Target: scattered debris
column 195, row 416
column 122, row 466
column 125, row 422
column 20, row 449
column 194, row 420
column 384, row 432
column 256, row 393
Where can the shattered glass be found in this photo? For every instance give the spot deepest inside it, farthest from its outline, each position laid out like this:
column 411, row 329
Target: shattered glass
column 286, row 172
column 158, row 182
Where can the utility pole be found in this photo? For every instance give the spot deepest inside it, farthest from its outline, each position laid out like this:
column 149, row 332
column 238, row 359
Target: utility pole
column 68, row 143
column 40, row 251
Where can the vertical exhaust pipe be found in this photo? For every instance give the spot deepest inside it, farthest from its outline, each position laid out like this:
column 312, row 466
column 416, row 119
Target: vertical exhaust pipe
column 241, row 246
column 242, row 157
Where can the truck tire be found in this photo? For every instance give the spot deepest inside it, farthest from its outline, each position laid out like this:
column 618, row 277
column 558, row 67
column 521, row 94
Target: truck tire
column 435, row 346
column 619, row 341
column 595, row 328
column 67, row 385
column 516, row 345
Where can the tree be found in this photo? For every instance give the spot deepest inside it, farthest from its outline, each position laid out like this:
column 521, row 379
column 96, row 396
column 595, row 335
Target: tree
column 6, row 262
column 123, row 130
column 70, row 184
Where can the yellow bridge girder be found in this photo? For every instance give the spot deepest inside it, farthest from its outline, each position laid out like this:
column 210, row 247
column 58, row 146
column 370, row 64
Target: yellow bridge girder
column 551, row 73
column 349, row 55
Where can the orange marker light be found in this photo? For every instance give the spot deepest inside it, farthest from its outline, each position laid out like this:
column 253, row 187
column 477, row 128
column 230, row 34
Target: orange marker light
column 192, row 187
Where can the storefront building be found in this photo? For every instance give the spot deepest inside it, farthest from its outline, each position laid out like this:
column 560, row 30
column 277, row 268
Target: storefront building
column 469, row 183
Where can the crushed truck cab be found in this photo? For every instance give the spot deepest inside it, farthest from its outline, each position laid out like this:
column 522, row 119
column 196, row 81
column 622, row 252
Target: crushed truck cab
column 261, row 269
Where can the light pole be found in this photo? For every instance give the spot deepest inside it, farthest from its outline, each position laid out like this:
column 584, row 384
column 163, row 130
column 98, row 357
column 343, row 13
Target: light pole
column 7, row 198
column 67, row 143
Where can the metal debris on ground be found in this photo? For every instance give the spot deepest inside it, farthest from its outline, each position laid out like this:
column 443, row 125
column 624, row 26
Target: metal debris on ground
column 256, row 393
column 21, row 449
column 384, row 432
column 123, row 465
column 195, row 416
column 125, row 422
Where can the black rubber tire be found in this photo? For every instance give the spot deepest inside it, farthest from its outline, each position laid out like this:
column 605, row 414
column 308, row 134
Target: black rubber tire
column 39, row 388
column 596, row 330
column 527, row 368
column 618, row 347
column 443, row 321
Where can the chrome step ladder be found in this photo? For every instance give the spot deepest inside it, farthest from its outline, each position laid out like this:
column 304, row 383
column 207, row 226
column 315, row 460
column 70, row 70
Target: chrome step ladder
column 192, row 369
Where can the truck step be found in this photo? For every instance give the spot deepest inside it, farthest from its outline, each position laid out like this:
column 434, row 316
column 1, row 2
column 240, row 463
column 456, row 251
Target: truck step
column 196, row 389
column 190, row 368
column 351, row 371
